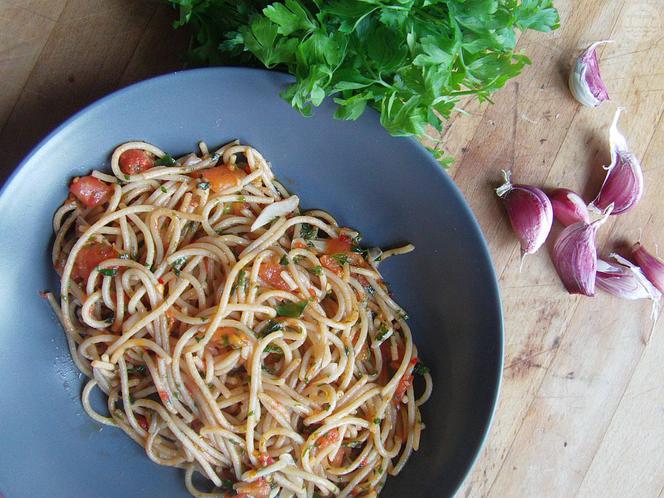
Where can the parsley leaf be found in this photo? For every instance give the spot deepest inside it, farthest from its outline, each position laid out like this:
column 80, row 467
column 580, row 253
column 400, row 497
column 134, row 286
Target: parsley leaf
column 178, row 264
column 421, row 369
column 165, row 160
column 306, row 231
column 290, row 309
column 270, row 326
column 109, row 272
column 410, row 60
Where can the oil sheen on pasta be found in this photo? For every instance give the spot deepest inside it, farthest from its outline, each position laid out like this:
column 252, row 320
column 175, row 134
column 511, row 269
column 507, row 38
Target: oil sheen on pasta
column 267, row 355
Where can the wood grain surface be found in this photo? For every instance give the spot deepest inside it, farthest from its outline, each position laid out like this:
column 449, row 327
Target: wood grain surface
column 581, row 412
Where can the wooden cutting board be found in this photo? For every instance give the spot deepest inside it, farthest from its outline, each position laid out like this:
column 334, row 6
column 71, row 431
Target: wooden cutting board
column 581, row 411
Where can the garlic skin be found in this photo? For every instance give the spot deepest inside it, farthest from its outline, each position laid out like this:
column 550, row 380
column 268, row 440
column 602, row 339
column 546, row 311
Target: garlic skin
column 568, row 207
column 625, row 280
column 623, row 185
column 529, row 211
column 575, row 257
column 651, row 266
column 585, row 82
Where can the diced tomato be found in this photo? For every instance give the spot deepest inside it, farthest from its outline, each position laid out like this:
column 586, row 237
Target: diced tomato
column 362, row 280
column 270, row 273
column 339, row 245
column 330, row 437
column 170, row 319
column 256, row 489
column 404, row 383
column 91, row 191
column 338, row 459
column 237, row 207
column 264, row 459
column 222, row 177
column 163, row 395
column 298, row 244
column 331, row 264
column 143, row 422
column 135, row 161
column 89, row 257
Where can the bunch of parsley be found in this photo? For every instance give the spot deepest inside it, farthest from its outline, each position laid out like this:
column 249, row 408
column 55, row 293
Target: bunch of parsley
column 411, row 60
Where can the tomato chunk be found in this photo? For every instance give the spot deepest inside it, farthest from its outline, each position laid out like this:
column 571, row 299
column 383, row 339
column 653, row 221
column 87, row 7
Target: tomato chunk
column 340, row 244
column 223, row 177
column 91, row 191
column 89, row 257
column 270, row 273
column 143, row 422
column 331, row 264
column 330, row 437
column 404, row 383
column 256, row 489
column 135, row 161
column 264, row 459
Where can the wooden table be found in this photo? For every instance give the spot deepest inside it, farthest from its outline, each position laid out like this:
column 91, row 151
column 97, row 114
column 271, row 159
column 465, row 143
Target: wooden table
column 581, row 411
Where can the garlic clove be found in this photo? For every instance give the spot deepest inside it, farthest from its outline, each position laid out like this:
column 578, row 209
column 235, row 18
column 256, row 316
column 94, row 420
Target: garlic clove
column 575, row 256
column 651, row 266
column 623, row 185
column 568, row 207
column 585, row 81
column 529, row 211
column 275, row 210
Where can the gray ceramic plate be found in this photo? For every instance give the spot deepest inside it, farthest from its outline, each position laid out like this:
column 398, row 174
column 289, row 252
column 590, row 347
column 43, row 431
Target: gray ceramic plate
column 390, row 189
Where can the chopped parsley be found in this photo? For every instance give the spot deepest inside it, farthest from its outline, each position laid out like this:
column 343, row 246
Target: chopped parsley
column 204, row 185
column 306, row 231
column 250, row 413
column 284, row 260
column 273, row 349
column 126, row 176
column 421, row 369
column 291, row 310
column 109, row 272
column 178, row 264
column 270, row 326
column 163, row 189
column 165, row 160
column 316, row 270
column 138, row 369
column 340, row 258
column 377, row 421
column 382, row 333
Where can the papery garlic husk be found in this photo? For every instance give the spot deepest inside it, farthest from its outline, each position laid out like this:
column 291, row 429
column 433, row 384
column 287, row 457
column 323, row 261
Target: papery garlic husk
column 575, row 256
column 623, row 185
column 530, row 213
column 627, row 281
column 651, row 266
column 568, row 207
column 585, row 82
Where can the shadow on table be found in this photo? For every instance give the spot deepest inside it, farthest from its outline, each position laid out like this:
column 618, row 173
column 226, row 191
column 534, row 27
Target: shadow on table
column 67, row 76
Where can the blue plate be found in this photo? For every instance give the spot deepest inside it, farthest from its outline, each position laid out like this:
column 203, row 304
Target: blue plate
column 390, row 189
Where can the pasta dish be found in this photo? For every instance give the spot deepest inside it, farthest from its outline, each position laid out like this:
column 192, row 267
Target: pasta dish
column 235, row 336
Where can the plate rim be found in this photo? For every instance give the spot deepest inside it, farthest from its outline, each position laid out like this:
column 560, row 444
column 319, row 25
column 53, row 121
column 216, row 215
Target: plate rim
column 494, row 287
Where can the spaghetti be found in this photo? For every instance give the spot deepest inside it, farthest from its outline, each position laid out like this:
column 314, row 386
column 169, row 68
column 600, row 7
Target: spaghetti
column 234, row 335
